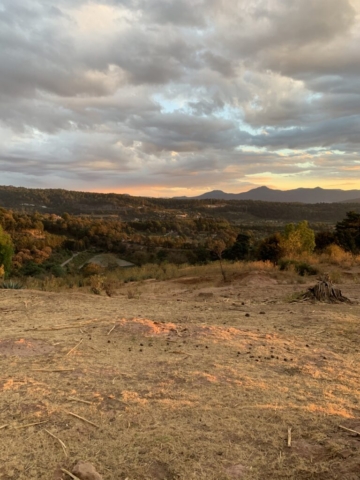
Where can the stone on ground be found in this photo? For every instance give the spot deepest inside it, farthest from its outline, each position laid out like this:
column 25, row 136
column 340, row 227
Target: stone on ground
column 86, row 471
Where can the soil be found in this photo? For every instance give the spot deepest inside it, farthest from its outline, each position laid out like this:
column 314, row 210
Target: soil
column 192, row 379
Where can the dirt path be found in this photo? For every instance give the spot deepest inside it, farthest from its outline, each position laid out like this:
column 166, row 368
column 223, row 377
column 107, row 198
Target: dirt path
column 69, row 259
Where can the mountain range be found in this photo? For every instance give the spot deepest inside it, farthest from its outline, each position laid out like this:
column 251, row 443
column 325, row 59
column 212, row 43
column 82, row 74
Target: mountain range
column 302, row 195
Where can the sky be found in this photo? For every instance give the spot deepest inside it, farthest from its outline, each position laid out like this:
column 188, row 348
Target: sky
column 178, row 97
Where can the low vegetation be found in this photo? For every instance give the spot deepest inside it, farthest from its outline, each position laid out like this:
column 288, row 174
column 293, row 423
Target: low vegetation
column 56, row 252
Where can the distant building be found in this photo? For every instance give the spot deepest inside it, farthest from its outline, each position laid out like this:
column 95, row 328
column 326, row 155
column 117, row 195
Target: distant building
column 106, row 260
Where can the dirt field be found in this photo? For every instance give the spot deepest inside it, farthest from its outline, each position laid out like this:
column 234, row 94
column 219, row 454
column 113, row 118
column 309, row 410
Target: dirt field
column 188, row 379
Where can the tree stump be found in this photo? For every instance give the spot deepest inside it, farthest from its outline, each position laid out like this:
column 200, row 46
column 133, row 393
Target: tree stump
column 324, row 291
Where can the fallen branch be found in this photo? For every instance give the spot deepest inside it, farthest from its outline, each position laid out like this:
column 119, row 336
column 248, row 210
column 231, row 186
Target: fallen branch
column 74, row 348
column 4, row 426
column 59, row 440
column 349, row 430
column 83, row 419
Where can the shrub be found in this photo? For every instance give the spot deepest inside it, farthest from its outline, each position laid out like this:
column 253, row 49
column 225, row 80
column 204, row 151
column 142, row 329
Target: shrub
column 286, row 264
column 271, row 249
column 56, row 270
column 11, row 285
column 298, row 239
column 133, row 293
column 337, row 254
column 6, row 251
column 31, row 269
column 302, row 268
column 96, row 283
column 92, row 269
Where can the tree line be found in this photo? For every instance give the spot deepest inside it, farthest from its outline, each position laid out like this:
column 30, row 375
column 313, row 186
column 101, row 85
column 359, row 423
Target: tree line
column 78, row 203
column 32, row 242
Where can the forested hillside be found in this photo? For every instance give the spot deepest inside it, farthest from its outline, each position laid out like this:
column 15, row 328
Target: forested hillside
column 129, row 208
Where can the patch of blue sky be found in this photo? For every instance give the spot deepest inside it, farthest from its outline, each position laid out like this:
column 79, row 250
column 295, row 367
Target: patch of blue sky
column 234, row 114
column 171, row 105
column 250, row 149
column 181, row 104
column 314, row 97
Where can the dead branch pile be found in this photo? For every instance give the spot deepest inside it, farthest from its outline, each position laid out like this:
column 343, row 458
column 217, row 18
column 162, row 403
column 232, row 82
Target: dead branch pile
column 324, row 291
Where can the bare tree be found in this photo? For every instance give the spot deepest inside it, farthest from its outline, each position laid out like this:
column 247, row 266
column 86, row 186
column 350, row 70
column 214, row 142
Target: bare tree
column 218, row 247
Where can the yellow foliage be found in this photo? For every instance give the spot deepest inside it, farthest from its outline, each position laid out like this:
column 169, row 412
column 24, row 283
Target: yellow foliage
column 337, row 254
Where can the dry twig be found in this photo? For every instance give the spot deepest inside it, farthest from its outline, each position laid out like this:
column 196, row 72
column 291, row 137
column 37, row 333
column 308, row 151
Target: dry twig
column 57, row 370
column 289, row 437
column 111, row 329
column 74, row 348
column 79, row 400
column 96, row 350
column 59, row 440
column 349, row 430
column 30, row 424
column 83, row 419
column 4, row 426
column 74, row 477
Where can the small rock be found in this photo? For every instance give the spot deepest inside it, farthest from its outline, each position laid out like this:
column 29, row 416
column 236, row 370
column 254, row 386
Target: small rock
column 86, row 471
column 247, row 314
column 262, row 313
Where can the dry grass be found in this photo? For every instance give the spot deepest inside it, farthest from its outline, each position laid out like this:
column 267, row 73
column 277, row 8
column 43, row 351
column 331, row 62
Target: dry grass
column 116, row 278
column 181, row 382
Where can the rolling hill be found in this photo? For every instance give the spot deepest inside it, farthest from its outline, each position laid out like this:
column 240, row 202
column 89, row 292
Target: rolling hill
column 302, row 195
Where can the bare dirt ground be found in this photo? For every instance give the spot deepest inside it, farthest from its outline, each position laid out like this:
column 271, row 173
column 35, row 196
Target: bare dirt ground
column 186, row 380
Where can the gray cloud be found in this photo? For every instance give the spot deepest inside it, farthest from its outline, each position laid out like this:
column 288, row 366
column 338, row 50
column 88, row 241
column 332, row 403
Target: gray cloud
column 153, row 92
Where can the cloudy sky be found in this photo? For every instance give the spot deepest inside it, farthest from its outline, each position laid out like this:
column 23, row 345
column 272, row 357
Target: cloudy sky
column 178, row 97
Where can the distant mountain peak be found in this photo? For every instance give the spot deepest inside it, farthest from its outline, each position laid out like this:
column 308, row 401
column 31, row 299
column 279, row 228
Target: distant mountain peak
column 298, row 195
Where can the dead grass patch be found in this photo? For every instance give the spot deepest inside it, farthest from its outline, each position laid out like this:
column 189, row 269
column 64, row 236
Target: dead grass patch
column 180, row 389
